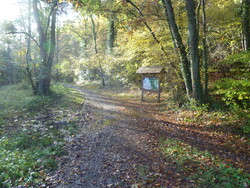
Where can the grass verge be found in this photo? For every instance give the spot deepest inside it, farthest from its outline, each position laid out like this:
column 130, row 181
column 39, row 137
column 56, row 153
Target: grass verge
column 33, row 131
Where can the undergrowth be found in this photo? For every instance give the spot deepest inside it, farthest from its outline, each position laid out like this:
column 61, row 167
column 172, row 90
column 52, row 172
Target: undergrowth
column 234, row 121
column 201, row 168
column 31, row 138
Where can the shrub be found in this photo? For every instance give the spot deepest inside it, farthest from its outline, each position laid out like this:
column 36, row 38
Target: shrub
column 235, row 93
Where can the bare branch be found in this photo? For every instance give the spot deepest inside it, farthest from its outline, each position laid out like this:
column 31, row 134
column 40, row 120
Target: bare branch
column 25, row 33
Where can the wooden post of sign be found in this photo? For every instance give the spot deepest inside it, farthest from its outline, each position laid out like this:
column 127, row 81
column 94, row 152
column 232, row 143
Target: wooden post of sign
column 142, row 95
column 142, row 89
column 159, row 89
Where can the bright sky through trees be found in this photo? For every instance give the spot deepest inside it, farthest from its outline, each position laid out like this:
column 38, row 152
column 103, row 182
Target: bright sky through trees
column 9, row 9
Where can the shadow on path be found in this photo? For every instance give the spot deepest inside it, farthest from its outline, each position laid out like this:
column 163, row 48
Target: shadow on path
column 117, row 146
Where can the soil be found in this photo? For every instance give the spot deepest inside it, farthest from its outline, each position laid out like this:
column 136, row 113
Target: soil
column 117, row 145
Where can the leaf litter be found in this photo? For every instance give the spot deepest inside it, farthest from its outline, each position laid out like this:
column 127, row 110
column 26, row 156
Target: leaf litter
column 118, row 145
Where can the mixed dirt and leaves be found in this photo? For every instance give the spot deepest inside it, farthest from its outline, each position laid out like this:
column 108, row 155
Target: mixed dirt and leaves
column 126, row 143
column 81, row 138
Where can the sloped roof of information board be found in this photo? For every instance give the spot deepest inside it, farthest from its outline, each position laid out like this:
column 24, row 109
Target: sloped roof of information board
column 151, row 70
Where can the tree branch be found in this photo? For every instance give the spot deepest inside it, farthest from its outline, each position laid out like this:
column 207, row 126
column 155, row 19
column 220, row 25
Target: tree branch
column 148, row 27
column 25, row 33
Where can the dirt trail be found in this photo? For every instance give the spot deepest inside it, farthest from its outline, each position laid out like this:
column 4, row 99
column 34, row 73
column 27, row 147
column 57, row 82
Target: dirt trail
column 111, row 150
column 117, row 146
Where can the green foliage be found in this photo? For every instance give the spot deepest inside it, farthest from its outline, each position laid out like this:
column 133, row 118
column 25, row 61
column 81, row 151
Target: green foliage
column 13, row 99
column 234, row 87
column 238, row 58
column 201, row 167
column 193, row 106
column 235, row 93
column 28, row 153
column 23, row 157
column 65, row 71
column 222, row 176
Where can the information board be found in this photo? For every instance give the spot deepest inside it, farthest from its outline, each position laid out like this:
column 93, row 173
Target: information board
column 150, row 83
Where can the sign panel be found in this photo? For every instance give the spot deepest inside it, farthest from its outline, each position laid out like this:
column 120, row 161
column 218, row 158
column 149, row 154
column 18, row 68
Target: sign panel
column 150, row 83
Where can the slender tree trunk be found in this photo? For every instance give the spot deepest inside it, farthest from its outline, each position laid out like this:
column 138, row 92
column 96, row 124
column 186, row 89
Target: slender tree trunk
column 10, row 66
column 111, row 35
column 246, row 24
column 28, row 53
column 205, row 48
column 94, row 34
column 95, row 47
column 179, row 46
column 193, row 50
column 84, row 46
column 57, row 44
column 111, row 30
column 52, row 48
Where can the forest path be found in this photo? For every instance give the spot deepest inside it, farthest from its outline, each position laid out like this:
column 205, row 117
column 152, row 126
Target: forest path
column 118, row 146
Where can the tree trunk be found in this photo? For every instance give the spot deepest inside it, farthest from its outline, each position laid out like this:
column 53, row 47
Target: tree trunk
column 94, row 34
column 246, row 24
column 28, row 53
column 10, row 66
column 46, row 56
column 205, row 49
column 52, row 47
column 84, row 42
column 179, row 46
column 193, row 50
column 41, row 89
column 101, row 73
column 111, row 35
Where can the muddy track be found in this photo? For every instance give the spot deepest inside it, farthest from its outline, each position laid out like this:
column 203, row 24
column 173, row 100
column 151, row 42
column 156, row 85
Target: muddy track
column 117, row 146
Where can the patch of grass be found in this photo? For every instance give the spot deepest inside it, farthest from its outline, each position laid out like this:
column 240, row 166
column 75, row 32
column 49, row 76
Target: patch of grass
column 13, row 99
column 25, row 157
column 202, row 168
column 28, row 154
column 73, row 97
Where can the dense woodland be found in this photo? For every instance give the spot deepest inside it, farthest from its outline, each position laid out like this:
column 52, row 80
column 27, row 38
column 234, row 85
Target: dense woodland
column 204, row 46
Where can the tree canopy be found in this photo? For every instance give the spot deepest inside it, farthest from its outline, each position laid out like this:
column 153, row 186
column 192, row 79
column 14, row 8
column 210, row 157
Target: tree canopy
column 111, row 39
